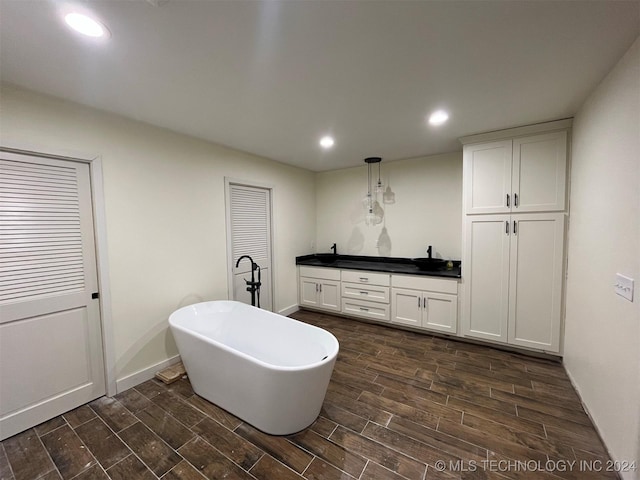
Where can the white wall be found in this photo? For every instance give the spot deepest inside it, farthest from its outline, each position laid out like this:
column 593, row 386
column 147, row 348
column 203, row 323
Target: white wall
column 165, row 213
column 427, row 209
column 602, row 334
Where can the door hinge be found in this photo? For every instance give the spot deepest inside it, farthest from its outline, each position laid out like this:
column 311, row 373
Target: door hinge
column 95, row 295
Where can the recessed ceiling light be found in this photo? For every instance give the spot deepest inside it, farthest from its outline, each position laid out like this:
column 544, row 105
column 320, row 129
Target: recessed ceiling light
column 327, row 142
column 86, row 25
column 438, row 117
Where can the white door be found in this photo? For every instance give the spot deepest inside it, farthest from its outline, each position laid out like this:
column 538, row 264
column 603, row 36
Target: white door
column 249, row 226
column 486, row 271
column 51, row 357
column 537, row 246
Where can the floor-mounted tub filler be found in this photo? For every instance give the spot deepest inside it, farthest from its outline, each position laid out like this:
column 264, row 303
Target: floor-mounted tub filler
column 268, row 370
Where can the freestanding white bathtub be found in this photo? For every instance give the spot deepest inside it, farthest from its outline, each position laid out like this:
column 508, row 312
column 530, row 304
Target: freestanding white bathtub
column 268, row 370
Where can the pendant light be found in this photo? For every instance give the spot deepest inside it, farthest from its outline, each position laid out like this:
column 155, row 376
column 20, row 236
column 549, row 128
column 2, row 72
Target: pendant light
column 373, row 211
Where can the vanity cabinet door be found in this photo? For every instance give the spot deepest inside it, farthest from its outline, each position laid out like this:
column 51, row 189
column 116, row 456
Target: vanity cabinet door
column 427, row 310
column 309, row 292
column 440, row 312
column 406, row 307
column 320, row 293
column 329, row 295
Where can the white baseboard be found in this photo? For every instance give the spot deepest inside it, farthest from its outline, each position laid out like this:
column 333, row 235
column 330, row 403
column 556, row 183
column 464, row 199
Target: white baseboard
column 289, row 310
column 143, row 375
column 575, row 386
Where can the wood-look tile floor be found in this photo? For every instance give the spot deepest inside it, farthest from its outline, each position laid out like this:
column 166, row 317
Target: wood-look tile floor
column 400, row 405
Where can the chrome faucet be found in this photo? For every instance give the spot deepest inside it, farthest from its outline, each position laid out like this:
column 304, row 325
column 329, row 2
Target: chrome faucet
column 335, row 249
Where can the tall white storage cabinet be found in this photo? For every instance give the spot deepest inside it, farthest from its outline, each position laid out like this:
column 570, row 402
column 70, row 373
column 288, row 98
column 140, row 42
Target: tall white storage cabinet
column 514, row 235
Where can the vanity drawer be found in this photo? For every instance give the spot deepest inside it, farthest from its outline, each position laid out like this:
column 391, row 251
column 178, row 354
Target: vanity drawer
column 361, row 308
column 321, row 273
column 370, row 278
column 430, row 284
column 372, row 293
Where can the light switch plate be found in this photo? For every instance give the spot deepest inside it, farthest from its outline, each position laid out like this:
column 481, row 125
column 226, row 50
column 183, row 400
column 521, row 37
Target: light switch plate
column 624, row 286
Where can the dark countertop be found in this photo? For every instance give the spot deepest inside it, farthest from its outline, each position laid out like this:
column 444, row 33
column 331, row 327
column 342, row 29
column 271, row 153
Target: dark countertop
column 378, row 264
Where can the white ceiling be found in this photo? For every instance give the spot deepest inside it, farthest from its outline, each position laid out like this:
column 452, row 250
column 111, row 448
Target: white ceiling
column 272, row 77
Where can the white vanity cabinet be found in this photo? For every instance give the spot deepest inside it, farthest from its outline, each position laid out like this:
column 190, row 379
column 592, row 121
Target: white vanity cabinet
column 319, row 288
column 424, row 302
column 518, row 175
column 366, row 294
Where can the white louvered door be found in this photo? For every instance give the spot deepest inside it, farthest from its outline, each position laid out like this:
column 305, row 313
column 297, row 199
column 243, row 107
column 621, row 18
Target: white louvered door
column 51, row 358
column 250, row 232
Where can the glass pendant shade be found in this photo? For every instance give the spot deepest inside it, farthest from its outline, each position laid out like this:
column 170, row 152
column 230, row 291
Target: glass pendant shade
column 367, row 201
column 369, row 218
column 378, row 213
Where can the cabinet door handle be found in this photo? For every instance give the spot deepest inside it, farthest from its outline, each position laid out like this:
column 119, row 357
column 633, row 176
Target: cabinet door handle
column 316, row 287
column 515, row 200
column 418, row 302
column 515, row 227
column 320, row 288
column 424, row 302
column 506, row 227
column 364, row 293
column 508, row 200
column 364, row 309
column 364, row 279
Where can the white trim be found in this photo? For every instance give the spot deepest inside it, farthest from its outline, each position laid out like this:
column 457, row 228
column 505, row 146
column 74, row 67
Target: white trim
column 289, row 310
column 228, row 181
column 596, row 427
column 100, row 227
column 147, row 373
column 517, row 131
column 104, row 287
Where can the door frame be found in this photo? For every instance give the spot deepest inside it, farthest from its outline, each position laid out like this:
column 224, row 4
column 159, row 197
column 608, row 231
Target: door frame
column 100, row 234
column 228, row 181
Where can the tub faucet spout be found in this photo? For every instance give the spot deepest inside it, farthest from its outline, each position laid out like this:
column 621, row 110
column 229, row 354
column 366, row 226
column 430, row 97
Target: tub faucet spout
column 245, row 256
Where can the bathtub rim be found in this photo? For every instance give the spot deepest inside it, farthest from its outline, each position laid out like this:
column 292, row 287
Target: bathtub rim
column 331, row 356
